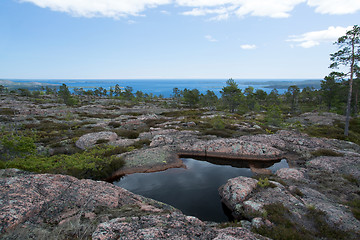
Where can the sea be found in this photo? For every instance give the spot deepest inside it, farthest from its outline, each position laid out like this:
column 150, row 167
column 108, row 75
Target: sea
column 165, row 86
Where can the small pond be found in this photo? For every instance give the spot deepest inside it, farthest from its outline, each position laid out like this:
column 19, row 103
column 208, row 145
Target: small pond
column 194, row 190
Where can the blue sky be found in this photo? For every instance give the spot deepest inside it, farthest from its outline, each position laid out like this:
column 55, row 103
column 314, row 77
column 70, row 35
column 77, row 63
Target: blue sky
column 113, row 39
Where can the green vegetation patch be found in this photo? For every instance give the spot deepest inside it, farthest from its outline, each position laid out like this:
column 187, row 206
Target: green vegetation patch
column 130, row 134
column 283, row 228
column 265, row 183
column 355, row 207
column 97, row 163
column 323, row 229
column 326, row 152
column 7, row 111
column 336, row 131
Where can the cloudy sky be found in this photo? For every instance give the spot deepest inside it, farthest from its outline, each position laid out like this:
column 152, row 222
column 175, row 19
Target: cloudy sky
column 42, row 39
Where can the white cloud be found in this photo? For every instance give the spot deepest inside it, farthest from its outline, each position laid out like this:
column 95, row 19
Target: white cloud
column 248, row 46
column 312, row 39
column 99, row 8
column 210, row 38
column 335, row 6
column 216, row 9
column 165, row 12
column 241, row 8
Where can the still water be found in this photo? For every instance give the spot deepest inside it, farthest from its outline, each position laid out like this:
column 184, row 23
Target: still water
column 193, row 190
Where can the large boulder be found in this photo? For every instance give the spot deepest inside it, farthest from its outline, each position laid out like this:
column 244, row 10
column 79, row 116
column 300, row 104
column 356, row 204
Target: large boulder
column 89, row 140
column 236, row 191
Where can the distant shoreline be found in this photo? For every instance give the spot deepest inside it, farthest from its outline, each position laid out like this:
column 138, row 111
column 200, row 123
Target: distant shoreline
column 163, row 86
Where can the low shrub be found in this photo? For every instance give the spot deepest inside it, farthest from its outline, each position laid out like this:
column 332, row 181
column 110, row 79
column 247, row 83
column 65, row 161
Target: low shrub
column 265, row 183
column 326, row 152
column 7, row 111
column 323, row 229
column 130, row 134
column 115, row 124
column 351, row 179
column 283, row 228
column 355, row 207
column 96, row 163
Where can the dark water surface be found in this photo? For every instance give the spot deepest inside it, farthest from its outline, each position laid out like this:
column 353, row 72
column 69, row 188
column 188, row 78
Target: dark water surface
column 193, row 190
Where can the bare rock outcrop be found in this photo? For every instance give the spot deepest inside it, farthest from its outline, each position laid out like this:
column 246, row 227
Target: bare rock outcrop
column 169, row 226
column 247, row 200
column 290, row 173
column 56, row 199
column 47, row 206
column 89, row 140
column 231, row 148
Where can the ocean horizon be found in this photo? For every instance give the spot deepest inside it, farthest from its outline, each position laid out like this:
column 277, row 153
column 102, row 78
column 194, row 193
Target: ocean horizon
column 165, row 87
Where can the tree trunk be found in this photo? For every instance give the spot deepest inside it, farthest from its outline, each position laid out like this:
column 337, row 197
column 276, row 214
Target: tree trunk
column 348, row 105
column 356, row 102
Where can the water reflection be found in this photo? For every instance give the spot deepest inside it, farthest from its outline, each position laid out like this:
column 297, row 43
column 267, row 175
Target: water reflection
column 193, row 190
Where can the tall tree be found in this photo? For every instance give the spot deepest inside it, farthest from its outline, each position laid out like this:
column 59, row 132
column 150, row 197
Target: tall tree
column 191, row 97
column 65, row 95
column 348, row 55
column 231, row 95
column 330, row 87
column 293, row 93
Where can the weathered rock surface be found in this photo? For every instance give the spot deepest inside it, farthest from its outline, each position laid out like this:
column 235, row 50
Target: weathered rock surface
column 236, row 191
column 291, row 141
column 325, row 118
column 341, row 165
column 231, row 148
column 290, row 173
column 55, row 199
column 169, row 226
column 149, row 160
column 89, row 140
column 34, row 206
column 245, row 199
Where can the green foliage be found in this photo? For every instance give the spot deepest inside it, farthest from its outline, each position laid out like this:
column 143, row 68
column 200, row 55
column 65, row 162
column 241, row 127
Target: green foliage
column 298, row 192
column 102, row 141
column 234, row 223
column 265, row 183
column 273, row 116
column 191, row 97
column 332, row 90
column 348, row 55
column 293, row 96
column 335, row 132
column 65, row 95
column 217, row 123
column 209, row 99
column 351, row 179
column 16, row 145
column 355, row 207
column 231, row 95
column 323, row 229
column 326, row 152
column 130, row 134
column 284, row 228
column 7, row 111
column 96, row 163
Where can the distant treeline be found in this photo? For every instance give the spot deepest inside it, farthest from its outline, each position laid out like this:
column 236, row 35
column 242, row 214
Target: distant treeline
column 330, row 97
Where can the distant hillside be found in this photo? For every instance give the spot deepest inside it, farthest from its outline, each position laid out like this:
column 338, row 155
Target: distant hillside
column 285, row 84
column 28, row 85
